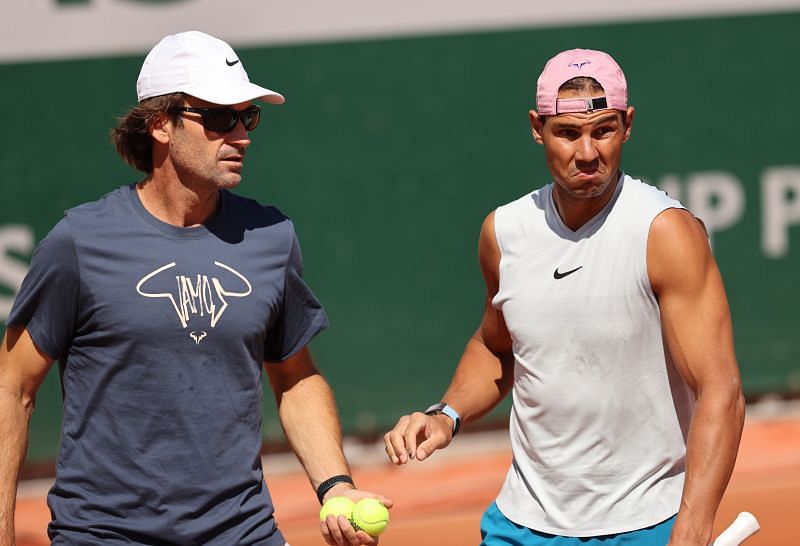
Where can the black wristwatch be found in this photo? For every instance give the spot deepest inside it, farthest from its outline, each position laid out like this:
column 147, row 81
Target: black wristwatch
column 441, row 407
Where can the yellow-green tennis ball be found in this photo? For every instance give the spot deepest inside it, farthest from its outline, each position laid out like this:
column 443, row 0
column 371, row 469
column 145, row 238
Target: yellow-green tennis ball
column 370, row 516
column 336, row 506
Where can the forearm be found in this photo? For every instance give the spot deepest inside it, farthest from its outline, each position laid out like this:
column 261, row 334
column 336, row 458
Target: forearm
column 16, row 414
column 311, row 423
column 481, row 381
column 713, row 443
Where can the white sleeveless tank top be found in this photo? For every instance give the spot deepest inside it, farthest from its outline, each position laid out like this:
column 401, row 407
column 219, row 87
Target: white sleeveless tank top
column 600, row 414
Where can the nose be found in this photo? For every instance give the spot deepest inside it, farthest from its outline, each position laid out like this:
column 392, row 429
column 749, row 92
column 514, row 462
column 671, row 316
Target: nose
column 239, row 135
column 587, row 151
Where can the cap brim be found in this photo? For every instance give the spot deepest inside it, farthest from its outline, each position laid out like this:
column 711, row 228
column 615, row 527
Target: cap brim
column 234, row 94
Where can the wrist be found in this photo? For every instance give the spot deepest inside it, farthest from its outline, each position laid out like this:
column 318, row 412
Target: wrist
column 337, row 490
column 333, row 484
column 444, row 409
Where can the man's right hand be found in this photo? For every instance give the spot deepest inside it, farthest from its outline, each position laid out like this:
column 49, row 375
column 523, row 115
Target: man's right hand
column 417, row 436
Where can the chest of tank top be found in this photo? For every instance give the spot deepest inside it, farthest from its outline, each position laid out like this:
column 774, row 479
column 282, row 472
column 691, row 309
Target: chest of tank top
column 574, row 291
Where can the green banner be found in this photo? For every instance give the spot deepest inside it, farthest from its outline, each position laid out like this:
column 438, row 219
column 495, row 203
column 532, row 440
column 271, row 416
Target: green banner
column 388, row 154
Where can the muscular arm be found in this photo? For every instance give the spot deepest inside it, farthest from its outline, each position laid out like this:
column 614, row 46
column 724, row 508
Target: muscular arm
column 697, row 328
column 22, row 370
column 483, row 377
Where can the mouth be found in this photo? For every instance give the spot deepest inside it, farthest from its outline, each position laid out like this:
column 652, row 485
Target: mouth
column 587, row 169
column 236, row 160
column 587, row 174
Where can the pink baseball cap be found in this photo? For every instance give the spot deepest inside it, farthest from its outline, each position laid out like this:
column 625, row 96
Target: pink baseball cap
column 201, row 66
column 576, row 63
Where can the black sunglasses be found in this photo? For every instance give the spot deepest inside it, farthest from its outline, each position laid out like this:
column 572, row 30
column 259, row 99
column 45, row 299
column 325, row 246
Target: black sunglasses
column 222, row 120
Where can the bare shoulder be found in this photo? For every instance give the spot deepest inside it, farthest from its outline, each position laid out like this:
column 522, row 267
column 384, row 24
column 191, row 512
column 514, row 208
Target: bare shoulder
column 677, row 247
column 678, row 222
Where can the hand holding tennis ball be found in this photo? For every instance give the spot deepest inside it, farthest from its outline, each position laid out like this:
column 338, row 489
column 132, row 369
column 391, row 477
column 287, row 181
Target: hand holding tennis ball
column 336, row 506
column 371, row 516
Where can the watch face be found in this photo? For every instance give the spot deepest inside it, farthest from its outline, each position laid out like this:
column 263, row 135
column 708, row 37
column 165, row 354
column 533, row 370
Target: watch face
column 436, row 408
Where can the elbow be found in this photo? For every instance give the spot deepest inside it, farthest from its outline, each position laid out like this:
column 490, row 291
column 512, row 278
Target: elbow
column 733, row 402
column 28, row 403
column 739, row 404
column 725, row 399
column 17, row 400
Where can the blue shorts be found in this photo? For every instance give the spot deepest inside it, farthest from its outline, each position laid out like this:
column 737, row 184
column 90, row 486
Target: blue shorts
column 498, row 530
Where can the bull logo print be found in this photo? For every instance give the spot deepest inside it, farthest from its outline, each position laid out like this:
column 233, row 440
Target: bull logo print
column 580, row 64
column 200, row 296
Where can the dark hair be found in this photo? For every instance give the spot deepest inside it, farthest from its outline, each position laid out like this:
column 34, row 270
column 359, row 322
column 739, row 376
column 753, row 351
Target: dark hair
column 582, row 83
column 131, row 136
column 587, row 85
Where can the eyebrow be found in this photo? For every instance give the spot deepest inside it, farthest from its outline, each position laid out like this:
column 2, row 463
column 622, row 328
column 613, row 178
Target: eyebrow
column 604, row 119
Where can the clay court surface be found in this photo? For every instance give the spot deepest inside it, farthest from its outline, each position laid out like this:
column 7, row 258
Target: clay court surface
column 439, row 502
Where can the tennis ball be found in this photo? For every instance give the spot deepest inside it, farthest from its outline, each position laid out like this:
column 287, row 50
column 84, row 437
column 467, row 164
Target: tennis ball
column 370, row 516
column 336, row 506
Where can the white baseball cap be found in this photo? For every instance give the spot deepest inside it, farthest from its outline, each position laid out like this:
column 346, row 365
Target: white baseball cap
column 201, row 66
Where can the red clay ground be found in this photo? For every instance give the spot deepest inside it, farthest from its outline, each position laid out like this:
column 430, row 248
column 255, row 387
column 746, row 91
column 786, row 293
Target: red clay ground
column 439, row 502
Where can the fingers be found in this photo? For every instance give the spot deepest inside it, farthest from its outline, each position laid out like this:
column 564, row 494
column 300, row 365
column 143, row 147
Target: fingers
column 325, row 528
column 415, row 432
column 337, row 531
column 416, row 435
column 386, row 501
column 395, row 441
column 365, row 539
column 425, row 450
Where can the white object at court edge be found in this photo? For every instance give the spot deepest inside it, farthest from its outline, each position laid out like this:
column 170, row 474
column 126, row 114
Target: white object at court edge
column 740, row 530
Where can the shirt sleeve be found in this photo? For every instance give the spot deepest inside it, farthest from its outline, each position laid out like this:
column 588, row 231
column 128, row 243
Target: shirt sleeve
column 301, row 316
column 47, row 302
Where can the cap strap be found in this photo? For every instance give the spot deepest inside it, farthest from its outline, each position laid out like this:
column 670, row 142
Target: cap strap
column 565, row 106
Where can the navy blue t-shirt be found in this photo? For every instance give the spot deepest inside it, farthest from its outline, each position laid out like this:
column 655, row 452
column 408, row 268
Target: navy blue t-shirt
column 161, row 333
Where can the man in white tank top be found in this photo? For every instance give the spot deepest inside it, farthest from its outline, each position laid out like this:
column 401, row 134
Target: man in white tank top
column 606, row 318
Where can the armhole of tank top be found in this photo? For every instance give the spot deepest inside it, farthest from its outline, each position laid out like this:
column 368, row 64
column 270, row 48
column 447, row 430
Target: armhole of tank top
column 498, row 212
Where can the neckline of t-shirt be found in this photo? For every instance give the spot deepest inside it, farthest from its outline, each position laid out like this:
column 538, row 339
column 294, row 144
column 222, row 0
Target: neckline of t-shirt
column 195, row 232
column 594, row 221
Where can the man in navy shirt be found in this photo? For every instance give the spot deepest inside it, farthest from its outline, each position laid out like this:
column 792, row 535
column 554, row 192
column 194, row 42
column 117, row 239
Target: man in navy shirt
column 162, row 302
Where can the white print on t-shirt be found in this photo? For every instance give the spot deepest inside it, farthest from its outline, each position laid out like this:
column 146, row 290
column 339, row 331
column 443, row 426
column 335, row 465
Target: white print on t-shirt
column 197, row 296
column 197, row 337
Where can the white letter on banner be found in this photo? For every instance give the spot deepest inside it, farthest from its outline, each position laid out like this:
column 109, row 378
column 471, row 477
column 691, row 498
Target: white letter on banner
column 780, row 208
column 717, row 198
column 20, row 239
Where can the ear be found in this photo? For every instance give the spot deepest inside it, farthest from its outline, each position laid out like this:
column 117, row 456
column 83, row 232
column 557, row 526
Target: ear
column 536, row 126
column 628, row 123
column 158, row 127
